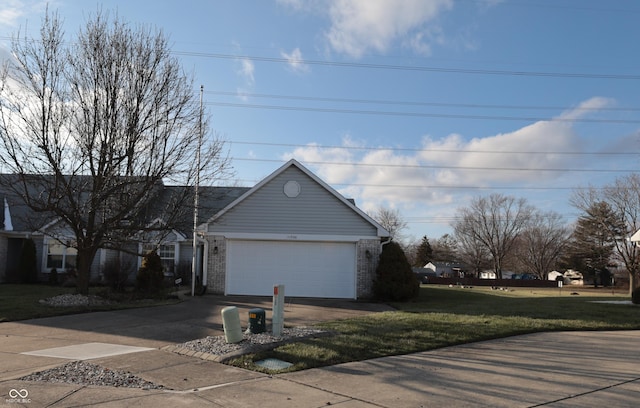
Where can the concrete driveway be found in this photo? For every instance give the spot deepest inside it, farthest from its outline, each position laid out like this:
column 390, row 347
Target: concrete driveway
column 569, row 369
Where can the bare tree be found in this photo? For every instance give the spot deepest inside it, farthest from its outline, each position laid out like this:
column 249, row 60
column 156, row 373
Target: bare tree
column 392, row 221
column 495, row 222
column 445, row 249
column 471, row 250
column 541, row 243
column 623, row 197
column 91, row 129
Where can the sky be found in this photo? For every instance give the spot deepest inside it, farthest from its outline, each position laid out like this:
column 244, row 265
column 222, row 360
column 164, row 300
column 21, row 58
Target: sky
column 417, row 106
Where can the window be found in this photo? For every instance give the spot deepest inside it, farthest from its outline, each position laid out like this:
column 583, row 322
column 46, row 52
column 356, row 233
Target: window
column 167, row 253
column 60, row 256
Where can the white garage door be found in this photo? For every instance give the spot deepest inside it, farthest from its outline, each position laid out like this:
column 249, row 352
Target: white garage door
column 307, row 269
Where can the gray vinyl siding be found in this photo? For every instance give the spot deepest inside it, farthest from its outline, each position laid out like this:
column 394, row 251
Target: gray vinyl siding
column 186, row 253
column 314, row 211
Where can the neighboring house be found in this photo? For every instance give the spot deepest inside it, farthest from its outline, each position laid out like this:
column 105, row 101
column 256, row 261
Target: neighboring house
column 572, row 277
column 291, row 228
column 487, row 274
column 446, row 269
column 555, row 275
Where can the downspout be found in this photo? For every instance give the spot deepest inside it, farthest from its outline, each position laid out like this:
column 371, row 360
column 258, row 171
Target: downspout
column 382, row 244
column 205, row 263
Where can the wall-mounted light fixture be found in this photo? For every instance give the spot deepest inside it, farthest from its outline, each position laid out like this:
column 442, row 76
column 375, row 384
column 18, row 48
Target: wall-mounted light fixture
column 215, row 250
column 368, row 254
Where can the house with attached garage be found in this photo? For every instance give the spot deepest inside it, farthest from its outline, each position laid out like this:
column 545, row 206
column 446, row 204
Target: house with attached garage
column 291, row 228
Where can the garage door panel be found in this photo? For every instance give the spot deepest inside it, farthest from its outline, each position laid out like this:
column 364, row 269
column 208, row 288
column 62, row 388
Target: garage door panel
column 307, row 269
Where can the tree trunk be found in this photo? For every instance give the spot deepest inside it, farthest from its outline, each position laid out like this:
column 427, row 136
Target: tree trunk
column 84, row 261
column 633, row 281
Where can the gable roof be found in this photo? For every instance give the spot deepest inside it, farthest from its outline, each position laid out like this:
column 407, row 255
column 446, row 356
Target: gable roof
column 381, row 231
column 214, row 202
column 17, row 216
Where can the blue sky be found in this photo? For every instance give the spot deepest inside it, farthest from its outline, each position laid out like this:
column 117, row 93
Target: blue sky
column 415, row 105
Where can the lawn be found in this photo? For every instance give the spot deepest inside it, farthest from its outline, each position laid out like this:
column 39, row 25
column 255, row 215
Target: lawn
column 20, row 302
column 443, row 316
column 439, row 317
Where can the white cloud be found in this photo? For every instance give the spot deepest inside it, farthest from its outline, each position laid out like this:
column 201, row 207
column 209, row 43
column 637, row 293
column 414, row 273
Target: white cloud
column 246, row 72
column 11, row 11
column 247, row 69
column 358, row 26
column 295, row 61
column 443, row 172
column 14, row 12
column 586, row 107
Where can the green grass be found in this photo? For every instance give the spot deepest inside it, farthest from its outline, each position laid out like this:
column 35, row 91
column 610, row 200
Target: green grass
column 20, row 302
column 443, row 316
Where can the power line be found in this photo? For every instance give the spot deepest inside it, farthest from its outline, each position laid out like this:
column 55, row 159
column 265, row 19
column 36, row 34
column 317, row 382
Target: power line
column 415, row 103
column 424, row 166
column 415, row 68
column 417, row 114
column 447, row 187
column 430, row 150
column 562, row 6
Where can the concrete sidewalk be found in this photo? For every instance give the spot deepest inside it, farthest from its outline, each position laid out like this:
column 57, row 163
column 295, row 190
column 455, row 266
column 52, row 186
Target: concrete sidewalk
column 569, row 369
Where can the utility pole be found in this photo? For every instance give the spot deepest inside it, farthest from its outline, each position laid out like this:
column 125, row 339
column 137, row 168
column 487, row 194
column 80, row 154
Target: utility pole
column 195, row 202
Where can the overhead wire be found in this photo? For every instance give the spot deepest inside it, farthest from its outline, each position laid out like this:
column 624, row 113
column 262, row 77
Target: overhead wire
column 427, row 166
column 435, row 150
column 415, row 68
column 418, row 103
column 419, row 114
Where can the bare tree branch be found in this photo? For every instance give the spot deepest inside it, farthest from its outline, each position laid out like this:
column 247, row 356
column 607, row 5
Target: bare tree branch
column 494, row 222
column 94, row 128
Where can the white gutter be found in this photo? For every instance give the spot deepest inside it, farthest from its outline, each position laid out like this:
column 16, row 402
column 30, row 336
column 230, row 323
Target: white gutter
column 205, row 260
column 385, row 243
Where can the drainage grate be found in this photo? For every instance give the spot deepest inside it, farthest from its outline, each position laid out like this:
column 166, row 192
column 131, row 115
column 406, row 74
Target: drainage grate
column 273, row 364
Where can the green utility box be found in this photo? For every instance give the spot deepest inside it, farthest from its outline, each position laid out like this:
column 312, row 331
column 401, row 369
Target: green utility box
column 257, row 321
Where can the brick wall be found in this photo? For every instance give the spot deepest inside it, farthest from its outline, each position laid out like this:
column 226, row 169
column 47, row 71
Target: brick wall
column 368, row 252
column 216, row 262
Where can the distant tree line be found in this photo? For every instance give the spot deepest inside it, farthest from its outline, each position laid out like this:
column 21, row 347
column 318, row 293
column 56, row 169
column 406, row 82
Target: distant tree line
column 499, row 232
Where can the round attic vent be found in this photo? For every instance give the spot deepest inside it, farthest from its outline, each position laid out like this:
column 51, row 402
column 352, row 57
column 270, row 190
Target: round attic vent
column 291, row 189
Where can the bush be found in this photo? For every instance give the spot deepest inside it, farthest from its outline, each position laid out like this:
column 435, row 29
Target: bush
column 53, row 277
column 150, row 277
column 635, row 296
column 395, row 279
column 116, row 274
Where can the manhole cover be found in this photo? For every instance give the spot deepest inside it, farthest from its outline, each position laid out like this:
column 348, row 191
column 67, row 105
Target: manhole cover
column 273, row 364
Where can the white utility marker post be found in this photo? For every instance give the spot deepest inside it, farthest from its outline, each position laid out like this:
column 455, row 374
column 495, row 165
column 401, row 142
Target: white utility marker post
column 277, row 318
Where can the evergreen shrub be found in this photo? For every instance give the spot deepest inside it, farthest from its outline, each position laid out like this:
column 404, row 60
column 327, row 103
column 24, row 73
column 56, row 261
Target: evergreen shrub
column 150, row 277
column 395, row 280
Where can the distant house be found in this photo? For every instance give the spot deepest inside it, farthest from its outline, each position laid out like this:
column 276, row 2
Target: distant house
column 487, row 274
column 291, row 228
column 446, row 269
column 490, row 274
column 572, row 277
column 555, row 275
column 635, row 238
